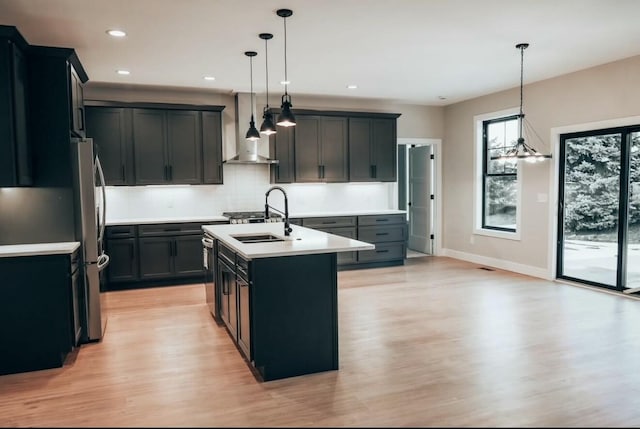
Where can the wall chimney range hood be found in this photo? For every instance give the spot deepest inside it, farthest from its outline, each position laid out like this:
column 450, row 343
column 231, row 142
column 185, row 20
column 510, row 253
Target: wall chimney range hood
column 247, row 151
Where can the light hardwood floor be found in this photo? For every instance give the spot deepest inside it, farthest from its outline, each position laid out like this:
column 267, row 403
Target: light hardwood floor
column 436, row 342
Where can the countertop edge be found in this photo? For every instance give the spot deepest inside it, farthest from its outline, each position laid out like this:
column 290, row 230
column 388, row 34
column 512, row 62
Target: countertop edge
column 38, row 249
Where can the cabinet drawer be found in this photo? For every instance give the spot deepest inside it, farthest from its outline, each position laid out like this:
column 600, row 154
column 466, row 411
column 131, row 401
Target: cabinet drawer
column 163, row 229
column 334, row 221
column 226, row 253
column 381, row 219
column 377, row 234
column 383, row 252
column 121, row 231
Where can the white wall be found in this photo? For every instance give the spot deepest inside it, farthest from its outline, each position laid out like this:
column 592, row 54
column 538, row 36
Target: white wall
column 597, row 94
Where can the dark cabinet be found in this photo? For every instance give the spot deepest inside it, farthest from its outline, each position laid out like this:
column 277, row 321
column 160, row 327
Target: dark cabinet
column 167, row 146
column 122, row 248
column 372, row 149
column 388, row 233
column 39, row 311
column 281, row 146
column 169, row 251
column 228, row 295
column 15, row 163
column 212, row 147
column 321, row 152
column 344, row 226
column 110, row 128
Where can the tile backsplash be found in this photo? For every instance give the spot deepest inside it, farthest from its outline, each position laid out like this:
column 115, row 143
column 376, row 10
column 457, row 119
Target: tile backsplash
column 244, row 190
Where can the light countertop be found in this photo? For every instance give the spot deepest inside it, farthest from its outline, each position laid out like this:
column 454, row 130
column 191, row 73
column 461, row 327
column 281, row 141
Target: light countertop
column 38, row 249
column 346, row 213
column 176, row 219
column 302, row 241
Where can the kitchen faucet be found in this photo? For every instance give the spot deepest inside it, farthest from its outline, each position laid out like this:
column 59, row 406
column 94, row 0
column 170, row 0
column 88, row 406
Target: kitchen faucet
column 287, row 227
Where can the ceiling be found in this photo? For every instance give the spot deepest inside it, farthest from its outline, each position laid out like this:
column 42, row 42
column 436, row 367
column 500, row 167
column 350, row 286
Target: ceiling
column 432, row 52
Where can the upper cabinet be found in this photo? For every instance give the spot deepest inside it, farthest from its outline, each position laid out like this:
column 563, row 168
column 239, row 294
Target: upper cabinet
column 155, row 144
column 15, row 163
column 372, row 150
column 321, row 149
column 334, row 146
column 110, row 128
column 281, row 147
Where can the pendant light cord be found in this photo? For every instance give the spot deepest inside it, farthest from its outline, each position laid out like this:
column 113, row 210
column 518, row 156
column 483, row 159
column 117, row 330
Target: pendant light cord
column 521, row 83
column 266, row 68
column 286, row 80
column 251, row 77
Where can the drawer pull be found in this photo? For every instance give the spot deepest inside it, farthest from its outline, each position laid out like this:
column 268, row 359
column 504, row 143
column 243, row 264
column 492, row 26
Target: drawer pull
column 329, row 222
column 382, row 233
column 382, row 220
column 382, row 251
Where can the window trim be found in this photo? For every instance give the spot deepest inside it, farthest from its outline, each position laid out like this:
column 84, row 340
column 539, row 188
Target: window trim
column 479, row 158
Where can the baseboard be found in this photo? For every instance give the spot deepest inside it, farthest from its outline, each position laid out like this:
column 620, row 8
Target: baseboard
column 498, row 263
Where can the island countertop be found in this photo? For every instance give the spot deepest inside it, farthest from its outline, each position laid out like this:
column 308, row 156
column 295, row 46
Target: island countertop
column 302, row 241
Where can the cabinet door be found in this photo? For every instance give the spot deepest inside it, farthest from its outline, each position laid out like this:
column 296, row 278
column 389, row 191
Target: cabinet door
column 188, row 255
column 307, row 149
column 123, row 260
column 77, row 125
column 15, row 164
column 281, row 147
column 244, row 316
column 75, row 305
column 110, row 128
column 212, row 147
column 156, row 257
column 149, row 136
column 360, row 161
column 334, row 151
column 228, row 304
column 184, row 147
column 385, row 149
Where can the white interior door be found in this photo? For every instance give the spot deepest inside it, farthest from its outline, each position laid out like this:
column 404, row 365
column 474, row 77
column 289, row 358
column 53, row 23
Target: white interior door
column 420, row 202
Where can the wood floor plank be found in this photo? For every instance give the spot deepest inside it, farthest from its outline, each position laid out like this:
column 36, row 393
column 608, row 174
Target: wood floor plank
column 436, row 342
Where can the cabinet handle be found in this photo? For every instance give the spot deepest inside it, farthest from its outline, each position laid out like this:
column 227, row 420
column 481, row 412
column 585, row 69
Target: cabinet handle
column 175, row 248
column 371, row 173
column 319, row 171
column 329, row 222
column 170, row 172
column 166, row 176
column 122, row 172
column 323, row 171
column 81, row 118
column 382, row 233
column 382, row 220
column 375, row 171
column 382, row 251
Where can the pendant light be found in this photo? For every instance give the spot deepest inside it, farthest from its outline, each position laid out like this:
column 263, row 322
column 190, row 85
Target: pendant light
column 522, row 150
column 252, row 133
column 267, row 127
column 285, row 118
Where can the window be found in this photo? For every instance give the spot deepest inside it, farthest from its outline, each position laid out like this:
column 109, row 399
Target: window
column 499, row 178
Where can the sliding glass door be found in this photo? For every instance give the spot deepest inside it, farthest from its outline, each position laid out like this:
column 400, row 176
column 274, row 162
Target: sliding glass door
column 599, row 211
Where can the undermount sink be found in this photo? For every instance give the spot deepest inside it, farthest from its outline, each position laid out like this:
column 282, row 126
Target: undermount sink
column 258, row 238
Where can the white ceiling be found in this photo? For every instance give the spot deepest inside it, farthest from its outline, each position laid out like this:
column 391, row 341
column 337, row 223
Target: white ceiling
column 412, row 51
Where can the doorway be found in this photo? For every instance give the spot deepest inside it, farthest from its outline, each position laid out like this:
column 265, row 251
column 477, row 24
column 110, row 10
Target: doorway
column 417, row 195
column 599, row 208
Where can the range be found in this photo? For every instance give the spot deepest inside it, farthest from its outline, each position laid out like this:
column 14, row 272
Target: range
column 252, row 217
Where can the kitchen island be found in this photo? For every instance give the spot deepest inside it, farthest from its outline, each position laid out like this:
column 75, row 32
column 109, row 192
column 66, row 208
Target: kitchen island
column 277, row 294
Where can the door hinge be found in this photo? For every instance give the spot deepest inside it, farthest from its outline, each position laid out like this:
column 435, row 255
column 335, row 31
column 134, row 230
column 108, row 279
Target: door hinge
column 432, row 196
column 432, row 236
column 432, row 156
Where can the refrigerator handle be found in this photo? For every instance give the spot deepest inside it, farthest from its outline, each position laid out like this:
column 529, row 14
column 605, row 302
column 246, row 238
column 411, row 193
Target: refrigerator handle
column 103, row 258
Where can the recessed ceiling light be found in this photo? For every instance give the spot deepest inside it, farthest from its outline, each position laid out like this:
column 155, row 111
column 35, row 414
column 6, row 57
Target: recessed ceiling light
column 285, row 82
column 209, row 78
column 352, row 86
column 124, row 72
column 116, row 33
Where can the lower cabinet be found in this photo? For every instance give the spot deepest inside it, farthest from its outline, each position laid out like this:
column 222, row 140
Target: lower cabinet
column 141, row 255
column 39, row 311
column 387, row 232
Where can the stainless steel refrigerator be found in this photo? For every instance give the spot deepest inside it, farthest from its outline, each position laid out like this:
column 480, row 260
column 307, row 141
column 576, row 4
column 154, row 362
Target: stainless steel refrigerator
column 90, row 213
